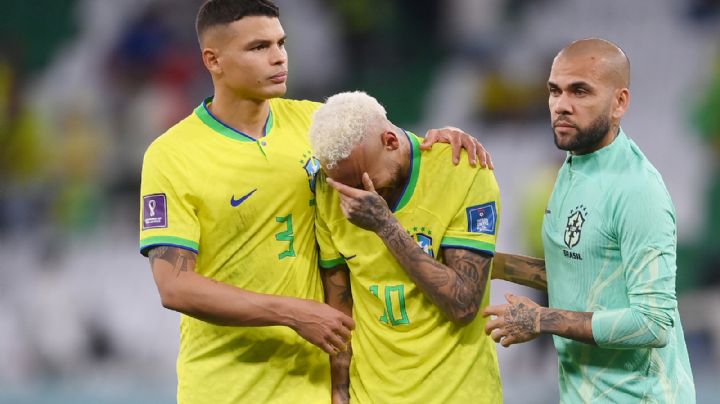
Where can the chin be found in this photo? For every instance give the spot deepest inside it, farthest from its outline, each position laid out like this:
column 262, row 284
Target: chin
column 277, row 90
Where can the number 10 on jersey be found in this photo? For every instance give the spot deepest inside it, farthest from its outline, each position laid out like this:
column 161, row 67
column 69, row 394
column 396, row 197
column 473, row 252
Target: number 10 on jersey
column 394, row 312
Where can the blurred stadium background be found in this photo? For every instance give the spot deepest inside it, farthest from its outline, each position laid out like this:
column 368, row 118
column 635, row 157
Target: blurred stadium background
column 86, row 85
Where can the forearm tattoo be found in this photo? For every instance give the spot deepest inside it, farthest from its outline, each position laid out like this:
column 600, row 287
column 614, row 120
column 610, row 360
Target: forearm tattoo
column 569, row 324
column 457, row 288
column 340, row 370
column 180, row 259
column 527, row 271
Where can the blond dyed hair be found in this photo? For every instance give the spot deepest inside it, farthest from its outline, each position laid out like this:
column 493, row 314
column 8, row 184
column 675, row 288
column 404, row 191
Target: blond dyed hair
column 342, row 123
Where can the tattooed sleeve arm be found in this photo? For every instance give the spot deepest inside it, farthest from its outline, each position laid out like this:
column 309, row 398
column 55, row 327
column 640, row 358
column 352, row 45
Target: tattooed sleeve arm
column 183, row 290
column 456, row 288
column 526, row 271
column 336, row 283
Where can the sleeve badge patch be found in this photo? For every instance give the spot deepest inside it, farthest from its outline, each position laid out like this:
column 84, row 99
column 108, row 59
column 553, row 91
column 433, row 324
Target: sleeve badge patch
column 154, row 211
column 482, row 218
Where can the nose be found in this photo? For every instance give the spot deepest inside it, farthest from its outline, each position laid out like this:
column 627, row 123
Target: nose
column 561, row 104
column 278, row 56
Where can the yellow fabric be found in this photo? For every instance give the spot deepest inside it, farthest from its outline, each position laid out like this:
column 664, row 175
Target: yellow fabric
column 405, row 350
column 265, row 244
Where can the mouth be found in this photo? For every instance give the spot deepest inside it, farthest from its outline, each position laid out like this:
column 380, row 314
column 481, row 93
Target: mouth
column 279, row 78
column 563, row 124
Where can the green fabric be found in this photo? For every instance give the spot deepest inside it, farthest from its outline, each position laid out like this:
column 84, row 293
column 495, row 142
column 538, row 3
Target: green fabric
column 609, row 237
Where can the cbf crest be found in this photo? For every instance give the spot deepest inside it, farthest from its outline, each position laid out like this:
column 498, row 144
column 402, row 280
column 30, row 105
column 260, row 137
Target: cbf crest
column 311, row 166
column 575, row 222
column 423, row 238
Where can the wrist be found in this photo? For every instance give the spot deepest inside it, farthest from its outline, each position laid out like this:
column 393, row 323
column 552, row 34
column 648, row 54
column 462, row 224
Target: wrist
column 386, row 226
column 287, row 312
column 540, row 312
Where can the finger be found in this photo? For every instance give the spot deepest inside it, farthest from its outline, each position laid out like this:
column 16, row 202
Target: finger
column 493, row 325
column 367, row 183
column 488, row 159
column 510, row 298
column 495, row 310
column 507, row 341
column 336, row 342
column 456, row 146
column 430, row 138
column 344, row 189
column 348, row 322
column 468, row 143
column 498, row 334
column 328, row 348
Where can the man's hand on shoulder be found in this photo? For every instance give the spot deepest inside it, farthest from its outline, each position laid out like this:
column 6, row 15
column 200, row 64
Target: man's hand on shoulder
column 458, row 140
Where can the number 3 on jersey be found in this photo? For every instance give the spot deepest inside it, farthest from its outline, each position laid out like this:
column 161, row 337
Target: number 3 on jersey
column 286, row 235
column 393, row 297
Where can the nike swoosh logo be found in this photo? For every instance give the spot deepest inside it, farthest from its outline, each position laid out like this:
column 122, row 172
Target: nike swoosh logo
column 348, row 258
column 235, row 202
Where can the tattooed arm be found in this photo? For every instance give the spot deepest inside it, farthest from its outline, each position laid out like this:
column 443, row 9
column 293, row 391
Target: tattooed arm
column 182, row 289
column 456, row 288
column 521, row 320
column 336, row 283
column 526, row 271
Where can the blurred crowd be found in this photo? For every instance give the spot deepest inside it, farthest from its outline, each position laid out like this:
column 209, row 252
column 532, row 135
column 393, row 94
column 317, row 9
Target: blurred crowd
column 86, row 85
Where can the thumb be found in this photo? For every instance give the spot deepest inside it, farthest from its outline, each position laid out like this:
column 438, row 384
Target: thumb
column 430, row 138
column 367, row 183
column 510, row 297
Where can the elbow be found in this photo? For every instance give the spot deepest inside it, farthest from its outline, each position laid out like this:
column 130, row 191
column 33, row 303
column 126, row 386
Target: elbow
column 169, row 299
column 463, row 317
column 660, row 340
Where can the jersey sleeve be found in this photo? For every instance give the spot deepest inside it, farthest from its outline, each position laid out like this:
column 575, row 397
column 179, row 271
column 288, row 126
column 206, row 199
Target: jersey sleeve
column 329, row 254
column 644, row 223
column 167, row 212
column 474, row 227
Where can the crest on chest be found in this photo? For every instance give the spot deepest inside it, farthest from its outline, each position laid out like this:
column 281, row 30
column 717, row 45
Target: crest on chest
column 423, row 238
column 573, row 229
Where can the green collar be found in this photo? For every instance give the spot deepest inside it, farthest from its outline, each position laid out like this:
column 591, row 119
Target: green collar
column 414, row 172
column 203, row 112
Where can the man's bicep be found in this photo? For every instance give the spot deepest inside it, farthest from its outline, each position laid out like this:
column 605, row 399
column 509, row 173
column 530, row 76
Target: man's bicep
column 169, row 259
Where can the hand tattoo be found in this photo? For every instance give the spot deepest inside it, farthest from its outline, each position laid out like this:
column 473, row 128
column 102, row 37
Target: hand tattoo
column 521, row 320
column 370, row 212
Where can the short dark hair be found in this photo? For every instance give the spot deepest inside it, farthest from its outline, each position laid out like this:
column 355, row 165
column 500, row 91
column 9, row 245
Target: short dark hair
column 222, row 12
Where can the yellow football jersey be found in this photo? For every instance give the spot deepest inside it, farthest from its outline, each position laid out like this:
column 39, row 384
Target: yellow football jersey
column 247, row 208
column 405, row 350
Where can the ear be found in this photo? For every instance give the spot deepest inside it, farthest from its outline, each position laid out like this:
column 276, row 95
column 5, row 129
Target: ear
column 390, row 140
column 211, row 60
column 622, row 102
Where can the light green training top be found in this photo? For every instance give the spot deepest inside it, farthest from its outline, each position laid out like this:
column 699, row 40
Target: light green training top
column 610, row 240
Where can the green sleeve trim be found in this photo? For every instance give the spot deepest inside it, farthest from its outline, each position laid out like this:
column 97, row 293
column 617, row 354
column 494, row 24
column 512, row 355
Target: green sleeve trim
column 327, row 264
column 466, row 244
column 147, row 243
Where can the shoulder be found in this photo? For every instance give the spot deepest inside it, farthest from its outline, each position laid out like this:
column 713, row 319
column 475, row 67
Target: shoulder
column 438, row 163
column 638, row 179
column 178, row 140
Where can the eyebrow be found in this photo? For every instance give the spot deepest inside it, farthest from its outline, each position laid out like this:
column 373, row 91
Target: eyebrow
column 257, row 42
column 574, row 84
